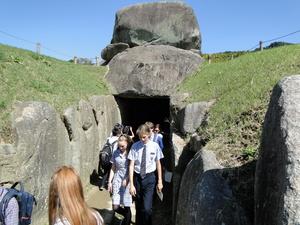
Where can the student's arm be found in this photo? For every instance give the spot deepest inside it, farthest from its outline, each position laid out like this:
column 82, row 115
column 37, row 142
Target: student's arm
column 131, row 169
column 111, row 175
column 132, row 134
column 159, row 174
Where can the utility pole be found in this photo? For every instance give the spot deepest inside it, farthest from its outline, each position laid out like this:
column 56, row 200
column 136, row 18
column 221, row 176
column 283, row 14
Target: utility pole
column 261, row 45
column 97, row 61
column 38, row 48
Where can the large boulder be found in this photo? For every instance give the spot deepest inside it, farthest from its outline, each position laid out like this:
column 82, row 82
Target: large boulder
column 84, row 139
column 193, row 115
column 167, row 23
column 153, row 70
column 205, row 198
column 277, row 184
column 40, row 140
column 113, row 49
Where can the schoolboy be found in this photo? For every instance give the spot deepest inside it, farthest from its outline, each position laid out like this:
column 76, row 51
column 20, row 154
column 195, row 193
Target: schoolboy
column 144, row 159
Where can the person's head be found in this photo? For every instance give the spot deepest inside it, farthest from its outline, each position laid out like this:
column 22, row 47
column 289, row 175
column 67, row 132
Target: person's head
column 144, row 133
column 124, row 142
column 126, row 130
column 150, row 125
column 66, row 199
column 156, row 128
column 116, row 131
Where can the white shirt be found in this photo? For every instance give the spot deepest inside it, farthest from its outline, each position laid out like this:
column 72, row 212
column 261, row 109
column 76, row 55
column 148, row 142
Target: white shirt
column 64, row 221
column 158, row 138
column 113, row 140
column 153, row 154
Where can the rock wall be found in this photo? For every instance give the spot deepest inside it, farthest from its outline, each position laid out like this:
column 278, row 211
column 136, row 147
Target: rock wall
column 205, row 197
column 43, row 141
column 277, row 185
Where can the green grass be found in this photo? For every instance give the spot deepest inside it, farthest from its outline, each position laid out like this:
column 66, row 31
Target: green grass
column 26, row 76
column 241, row 88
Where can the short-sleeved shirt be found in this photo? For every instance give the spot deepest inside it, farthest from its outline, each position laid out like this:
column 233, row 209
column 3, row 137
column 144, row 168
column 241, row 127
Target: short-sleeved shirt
column 11, row 216
column 153, row 154
column 158, row 138
column 113, row 140
column 121, row 195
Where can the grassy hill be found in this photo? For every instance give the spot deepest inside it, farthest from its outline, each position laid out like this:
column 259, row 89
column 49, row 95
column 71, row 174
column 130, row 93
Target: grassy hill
column 241, row 88
column 24, row 75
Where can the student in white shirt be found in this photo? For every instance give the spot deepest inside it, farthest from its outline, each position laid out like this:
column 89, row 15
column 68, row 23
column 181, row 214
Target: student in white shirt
column 144, row 159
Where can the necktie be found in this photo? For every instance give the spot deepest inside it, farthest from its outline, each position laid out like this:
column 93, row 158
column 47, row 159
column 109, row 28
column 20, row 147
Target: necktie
column 143, row 163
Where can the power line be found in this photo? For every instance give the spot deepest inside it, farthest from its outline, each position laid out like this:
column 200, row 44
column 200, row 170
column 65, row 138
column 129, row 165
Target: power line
column 31, row 42
column 274, row 39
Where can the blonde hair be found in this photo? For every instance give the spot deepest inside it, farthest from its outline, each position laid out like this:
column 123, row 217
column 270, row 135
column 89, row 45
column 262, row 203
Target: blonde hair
column 149, row 124
column 66, row 199
column 127, row 138
column 143, row 129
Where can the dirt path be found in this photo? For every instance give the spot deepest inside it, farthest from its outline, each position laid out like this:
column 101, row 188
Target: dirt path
column 101, row 201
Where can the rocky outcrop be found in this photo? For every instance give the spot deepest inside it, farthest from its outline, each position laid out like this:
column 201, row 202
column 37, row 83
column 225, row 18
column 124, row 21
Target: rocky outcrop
column 205, row 198
column 192, row 116
column 277, row 185
column 151, row 70
column 42, row 142
column 113, row 49
column 166, row 23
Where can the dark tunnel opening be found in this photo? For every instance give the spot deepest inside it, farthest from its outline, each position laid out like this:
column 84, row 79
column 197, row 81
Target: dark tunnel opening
column 136, row 111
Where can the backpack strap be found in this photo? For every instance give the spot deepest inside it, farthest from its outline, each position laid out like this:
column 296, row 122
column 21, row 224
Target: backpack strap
column 21, row 185
column 113, row 145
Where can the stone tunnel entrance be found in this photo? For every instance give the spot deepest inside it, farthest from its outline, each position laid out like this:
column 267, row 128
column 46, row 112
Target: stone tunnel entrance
column 136, row 111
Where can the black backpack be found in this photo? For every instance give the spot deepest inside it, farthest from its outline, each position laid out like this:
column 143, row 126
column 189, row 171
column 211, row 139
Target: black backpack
column 106, row 154
column 24, row 199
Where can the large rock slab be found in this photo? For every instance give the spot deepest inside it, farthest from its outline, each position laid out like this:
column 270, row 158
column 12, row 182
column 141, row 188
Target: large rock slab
column 277, row 185
column 84, row 139
column 193, row 115
column 205, row 198
column 107, row 114
column 151, row 70
column 157, row 23
column 40, row 142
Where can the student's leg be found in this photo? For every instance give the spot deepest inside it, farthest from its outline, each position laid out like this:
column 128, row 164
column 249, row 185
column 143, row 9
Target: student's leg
column 138, row 200
column 148, row 191
column 126, row 213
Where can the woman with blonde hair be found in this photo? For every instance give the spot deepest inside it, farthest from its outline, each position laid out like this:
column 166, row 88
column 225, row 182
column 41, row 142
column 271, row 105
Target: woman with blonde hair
column 66, row 200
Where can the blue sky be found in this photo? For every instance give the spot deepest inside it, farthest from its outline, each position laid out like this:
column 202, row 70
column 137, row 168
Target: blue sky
column 84, row 28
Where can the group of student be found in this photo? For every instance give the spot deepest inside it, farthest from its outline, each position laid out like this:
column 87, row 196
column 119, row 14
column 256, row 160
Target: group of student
column 136, row 172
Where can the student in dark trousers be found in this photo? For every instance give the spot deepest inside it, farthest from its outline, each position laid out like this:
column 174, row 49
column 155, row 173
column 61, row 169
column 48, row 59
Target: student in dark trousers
column 144, row 159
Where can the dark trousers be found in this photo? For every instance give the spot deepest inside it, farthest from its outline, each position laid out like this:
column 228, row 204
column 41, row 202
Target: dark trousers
column 144, row 196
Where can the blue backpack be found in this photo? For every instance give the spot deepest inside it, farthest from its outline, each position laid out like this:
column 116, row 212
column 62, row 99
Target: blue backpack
column 24, row 199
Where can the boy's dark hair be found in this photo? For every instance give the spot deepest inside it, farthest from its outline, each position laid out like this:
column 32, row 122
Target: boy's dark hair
column 116, row 131
column 126, row 130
